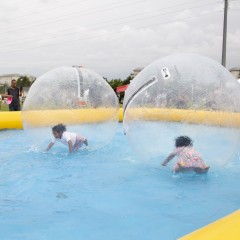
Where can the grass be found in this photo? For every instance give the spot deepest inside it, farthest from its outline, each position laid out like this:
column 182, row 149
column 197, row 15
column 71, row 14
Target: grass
column 3, row 107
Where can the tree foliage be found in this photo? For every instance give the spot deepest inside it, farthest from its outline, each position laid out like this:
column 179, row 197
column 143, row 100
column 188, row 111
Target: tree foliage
column 3, row 88
column 114, row 83
column 23, row 81
column 127, row 80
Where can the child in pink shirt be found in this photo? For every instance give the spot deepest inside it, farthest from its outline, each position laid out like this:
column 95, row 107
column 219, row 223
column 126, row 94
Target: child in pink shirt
column 188, row 158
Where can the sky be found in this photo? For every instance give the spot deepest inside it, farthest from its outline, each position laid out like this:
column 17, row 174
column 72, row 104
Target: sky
column 112, row 37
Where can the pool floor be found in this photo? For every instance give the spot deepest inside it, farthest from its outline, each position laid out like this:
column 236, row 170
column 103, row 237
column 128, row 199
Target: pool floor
column 105, row 194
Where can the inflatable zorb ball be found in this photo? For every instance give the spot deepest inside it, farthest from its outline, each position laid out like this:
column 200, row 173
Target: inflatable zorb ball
column 183, row 95
column 76, row 97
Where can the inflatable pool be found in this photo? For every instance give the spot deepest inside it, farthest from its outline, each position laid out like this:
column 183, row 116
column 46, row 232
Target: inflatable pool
column 12, row 120
column 225, row 228
column 54, row 195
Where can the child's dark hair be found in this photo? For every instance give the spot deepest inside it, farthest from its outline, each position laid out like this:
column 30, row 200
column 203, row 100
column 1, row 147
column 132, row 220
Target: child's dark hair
column 60, row 128
column 183, row 141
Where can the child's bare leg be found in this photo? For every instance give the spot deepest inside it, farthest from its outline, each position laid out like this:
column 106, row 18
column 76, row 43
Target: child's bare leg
column 201, row 170
column 177, row 168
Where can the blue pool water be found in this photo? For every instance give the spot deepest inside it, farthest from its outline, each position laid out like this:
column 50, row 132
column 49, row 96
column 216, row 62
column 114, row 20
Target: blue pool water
column 105, row 194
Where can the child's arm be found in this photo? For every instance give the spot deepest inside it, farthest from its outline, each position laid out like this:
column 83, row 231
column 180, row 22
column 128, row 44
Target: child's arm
column 70, row 146
column 169, row 158
column 49, row 146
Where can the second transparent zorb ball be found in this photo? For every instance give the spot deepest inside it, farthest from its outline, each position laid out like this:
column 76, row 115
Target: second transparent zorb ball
column 183, row 95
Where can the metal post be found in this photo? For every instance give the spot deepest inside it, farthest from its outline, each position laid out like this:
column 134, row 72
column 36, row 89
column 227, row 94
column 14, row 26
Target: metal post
column 224, row 33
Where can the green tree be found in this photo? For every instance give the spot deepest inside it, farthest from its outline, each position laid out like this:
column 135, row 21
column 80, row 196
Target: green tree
column 127, row 80
column 3, row 88
column 114, row 83
column 23, row 81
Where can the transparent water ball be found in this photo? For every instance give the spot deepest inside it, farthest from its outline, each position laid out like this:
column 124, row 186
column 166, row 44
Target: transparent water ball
column 183, row 95
column 76, row 97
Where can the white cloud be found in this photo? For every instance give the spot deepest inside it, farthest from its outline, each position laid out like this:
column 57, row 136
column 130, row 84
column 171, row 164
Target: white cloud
column 184, row 14
column 99, row 42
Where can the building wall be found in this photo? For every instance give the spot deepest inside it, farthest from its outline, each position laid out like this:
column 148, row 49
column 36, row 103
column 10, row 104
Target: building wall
column 135, row 72
column 236, row 73
column 6, row 79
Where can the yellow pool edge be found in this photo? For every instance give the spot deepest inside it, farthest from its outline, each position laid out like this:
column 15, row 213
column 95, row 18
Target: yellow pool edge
column 224, row 228
column 227, row 227
column 13, row 120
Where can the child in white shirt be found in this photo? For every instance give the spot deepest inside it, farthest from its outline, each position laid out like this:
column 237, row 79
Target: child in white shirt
column 73, row 140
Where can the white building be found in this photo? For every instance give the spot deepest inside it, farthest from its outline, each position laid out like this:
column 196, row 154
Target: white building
column 236, row 72
column 135, row 72
column 7, row 78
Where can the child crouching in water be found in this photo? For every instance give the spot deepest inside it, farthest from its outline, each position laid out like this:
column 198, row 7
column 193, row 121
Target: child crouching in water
column 188, row 158
column 73, row 140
